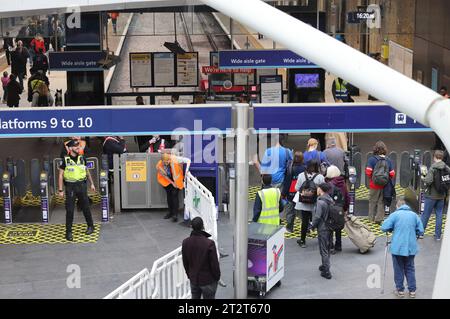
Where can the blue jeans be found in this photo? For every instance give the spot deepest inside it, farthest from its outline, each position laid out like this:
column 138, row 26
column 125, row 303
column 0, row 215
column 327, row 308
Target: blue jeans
column 404, row 267
column 438, row 205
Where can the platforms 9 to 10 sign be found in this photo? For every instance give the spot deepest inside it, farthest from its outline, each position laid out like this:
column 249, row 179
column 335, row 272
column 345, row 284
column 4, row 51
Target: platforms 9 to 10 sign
column 52, row 123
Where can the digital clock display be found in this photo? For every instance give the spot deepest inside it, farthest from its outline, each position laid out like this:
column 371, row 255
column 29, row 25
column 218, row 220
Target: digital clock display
column 365, row 15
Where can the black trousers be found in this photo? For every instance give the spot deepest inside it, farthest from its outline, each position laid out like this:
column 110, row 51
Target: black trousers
column 172, row 199
column 8, row 56
column 338, row 242
column 74, row 191
column 325, row 240
column 208, row 291
column 306, row 218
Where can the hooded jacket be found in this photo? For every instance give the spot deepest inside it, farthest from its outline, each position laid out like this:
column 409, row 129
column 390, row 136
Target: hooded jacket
column 431, row 191
column 406, row 226
column 339, row 182
column 200, row 259
column 321, row 213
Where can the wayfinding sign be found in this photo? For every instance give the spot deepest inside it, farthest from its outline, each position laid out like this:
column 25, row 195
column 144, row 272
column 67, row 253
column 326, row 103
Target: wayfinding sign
column 75, row 60
column 262, row 59
column 103, row 121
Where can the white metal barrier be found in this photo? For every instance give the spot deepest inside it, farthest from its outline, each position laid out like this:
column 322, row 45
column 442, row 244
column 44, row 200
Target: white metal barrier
column 168, row 279
column 137, row 287
column 199, row 201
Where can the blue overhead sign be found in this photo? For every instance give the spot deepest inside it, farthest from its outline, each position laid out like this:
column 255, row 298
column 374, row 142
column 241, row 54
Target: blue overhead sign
column 328, row 118
column 262, row 59
column 134, row 120
column 75, row 60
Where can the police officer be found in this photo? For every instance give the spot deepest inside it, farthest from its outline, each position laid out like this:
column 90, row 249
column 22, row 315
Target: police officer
column 268, row 205
column 73, row 172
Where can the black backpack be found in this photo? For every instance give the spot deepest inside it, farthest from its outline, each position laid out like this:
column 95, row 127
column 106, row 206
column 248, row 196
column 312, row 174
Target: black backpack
column 335, row 220
column 380, row 174
column 308, row 190
column 337, row 196
column 441, row 180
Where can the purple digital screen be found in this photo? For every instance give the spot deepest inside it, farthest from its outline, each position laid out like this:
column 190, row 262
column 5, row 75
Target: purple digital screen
column 308, row 80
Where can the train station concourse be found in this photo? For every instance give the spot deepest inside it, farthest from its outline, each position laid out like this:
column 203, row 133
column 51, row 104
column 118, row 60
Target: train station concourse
column 261, row 150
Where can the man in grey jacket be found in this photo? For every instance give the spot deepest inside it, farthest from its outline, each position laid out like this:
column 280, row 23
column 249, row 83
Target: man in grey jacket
column 433, row 198
column 324, row 234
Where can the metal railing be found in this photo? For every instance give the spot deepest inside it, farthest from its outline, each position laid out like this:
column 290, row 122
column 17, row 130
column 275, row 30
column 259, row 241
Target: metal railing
column 167, row 280
column 137, row 287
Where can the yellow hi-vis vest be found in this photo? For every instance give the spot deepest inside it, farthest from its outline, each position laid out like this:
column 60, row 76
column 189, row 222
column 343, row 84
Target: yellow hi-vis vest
column 341, row 90
column 74, row 172
column 270, row 212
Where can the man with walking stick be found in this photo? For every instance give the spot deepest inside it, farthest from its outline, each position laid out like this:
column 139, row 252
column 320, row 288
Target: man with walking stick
column 406, row 227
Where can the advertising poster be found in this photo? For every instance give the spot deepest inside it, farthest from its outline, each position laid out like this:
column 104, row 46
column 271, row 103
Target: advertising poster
column 141, row 69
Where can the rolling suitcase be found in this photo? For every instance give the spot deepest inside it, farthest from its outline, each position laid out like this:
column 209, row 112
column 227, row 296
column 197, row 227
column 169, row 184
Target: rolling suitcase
column 359, row 234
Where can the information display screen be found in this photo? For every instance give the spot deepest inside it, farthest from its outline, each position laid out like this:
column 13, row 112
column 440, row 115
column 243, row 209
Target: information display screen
column 307, row 81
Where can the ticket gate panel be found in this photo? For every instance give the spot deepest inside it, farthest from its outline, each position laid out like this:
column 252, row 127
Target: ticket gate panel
column 35, row 176
column 406, row 173
column 20, row 179
column 393, row 157
column 357, row 165
column 426, row 159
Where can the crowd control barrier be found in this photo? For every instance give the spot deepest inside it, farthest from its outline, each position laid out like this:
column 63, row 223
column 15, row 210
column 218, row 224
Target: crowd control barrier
column 137, row 287
column 167, row 280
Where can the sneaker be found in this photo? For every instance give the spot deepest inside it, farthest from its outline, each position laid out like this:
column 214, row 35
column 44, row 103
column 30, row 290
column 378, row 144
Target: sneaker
column 421, row 237
column 289, row 230
column 412, row 294
column 438, row 239
column 399, row 293
column 338, row 248
column 321, row 268
column 301, row 243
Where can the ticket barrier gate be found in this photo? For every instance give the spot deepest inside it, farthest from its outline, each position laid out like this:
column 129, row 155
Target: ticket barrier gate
column 411, row 168
column 25, row 193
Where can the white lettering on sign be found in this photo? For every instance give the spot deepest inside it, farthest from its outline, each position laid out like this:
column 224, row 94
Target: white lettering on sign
column 16, row 124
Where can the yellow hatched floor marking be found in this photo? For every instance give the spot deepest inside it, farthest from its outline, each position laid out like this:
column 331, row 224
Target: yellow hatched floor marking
column 45, row 234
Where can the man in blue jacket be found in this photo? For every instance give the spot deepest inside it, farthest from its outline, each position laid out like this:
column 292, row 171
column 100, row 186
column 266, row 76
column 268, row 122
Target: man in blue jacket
column 406, row 227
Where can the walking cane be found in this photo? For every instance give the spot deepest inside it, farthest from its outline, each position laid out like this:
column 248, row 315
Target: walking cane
column 385, row 261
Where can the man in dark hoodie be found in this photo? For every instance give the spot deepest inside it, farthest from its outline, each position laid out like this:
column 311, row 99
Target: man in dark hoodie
column 324, row 234
column 200, row 261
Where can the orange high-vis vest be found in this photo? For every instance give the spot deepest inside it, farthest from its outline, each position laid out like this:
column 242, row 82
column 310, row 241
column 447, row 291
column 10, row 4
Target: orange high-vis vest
column 177, row 173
